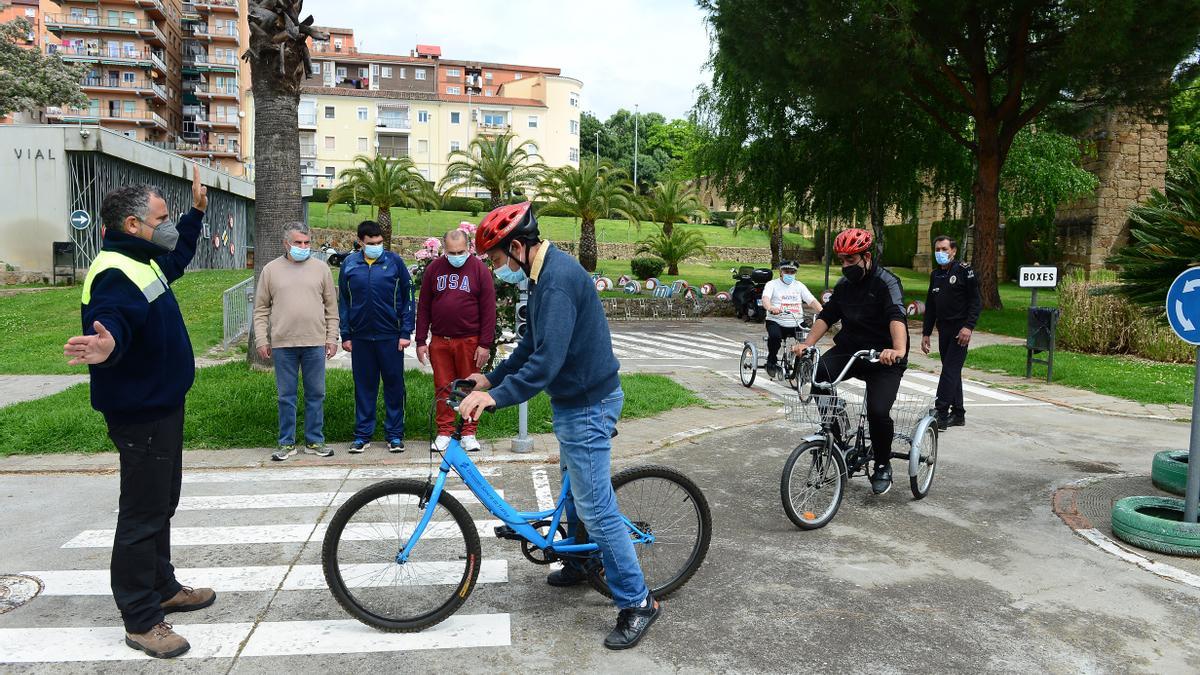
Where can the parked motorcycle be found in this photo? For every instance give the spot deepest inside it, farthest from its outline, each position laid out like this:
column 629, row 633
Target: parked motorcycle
column 335, row 257
column 747, row 292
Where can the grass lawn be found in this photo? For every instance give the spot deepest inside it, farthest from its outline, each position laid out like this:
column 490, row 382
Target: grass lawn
column 232, row 407
column 1128, row 378
column 37, row 324
column 555, row 228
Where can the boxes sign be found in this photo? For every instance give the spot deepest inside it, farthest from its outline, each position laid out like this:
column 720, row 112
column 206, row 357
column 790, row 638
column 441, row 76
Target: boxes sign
column 1038, row 277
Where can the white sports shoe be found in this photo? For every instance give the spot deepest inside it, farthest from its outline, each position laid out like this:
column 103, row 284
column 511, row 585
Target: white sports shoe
column 470, row 443
column 440, row 443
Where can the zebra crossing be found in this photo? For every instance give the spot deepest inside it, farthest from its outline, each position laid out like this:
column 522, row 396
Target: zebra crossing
column 673, row 345
column 264, row 530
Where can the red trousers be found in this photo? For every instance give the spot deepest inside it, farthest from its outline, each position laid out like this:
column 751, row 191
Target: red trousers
column 452, row 359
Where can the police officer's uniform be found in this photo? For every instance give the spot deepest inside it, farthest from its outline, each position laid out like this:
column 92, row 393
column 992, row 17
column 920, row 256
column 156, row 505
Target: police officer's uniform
column 953, row 303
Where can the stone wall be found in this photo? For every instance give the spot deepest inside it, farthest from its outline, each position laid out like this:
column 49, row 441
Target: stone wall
column 646, row 308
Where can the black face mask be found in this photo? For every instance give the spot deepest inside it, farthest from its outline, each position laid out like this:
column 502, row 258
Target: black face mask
column 854, row 273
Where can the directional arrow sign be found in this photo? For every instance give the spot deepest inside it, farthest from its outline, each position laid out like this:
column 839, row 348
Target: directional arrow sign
column 1183, row 305
column 80, row 220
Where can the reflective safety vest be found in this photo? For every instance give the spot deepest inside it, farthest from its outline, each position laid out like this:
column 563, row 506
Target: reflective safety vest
column 148, row 278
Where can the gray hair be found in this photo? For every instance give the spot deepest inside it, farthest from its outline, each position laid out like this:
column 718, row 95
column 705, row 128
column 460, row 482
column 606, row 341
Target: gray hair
column 294, row 226
column 456, row 234
column 130, row 200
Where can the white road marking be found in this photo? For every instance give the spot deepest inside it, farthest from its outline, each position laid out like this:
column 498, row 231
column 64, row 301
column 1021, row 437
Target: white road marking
column 670, row 341
column 629, row 344
column 315, row 473
column 277, row 534
column 541, row 488
column 722, row 339
column 973, row 389
column 270, row 638
column 1161, row 569
column 241, row 579
column 287, row 500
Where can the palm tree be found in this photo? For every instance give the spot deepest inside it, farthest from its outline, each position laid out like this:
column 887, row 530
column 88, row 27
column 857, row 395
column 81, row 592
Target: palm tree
column 500, row 166
column 771, row 220
column 279, row 63
column 384, row 182
column 674, row 247
column 673, row 202
column 591, row 192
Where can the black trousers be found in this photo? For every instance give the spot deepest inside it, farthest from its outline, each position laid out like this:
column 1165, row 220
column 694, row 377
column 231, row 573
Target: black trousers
column 883, row 382
column 151, row 472
column 775, row 335
column 953, row 355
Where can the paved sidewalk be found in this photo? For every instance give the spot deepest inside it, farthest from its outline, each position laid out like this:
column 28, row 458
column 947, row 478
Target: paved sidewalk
column 18, row 388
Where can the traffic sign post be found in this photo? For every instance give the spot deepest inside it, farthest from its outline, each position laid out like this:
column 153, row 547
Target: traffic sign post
column 1183, row 313
column 522, row 443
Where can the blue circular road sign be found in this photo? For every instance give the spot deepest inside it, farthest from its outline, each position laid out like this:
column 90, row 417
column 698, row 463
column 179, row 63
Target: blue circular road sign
column 80, row 219
column 1183, row 305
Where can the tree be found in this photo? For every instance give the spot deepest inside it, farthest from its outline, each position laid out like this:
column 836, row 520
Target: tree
column 981, row 71
column 500, row 165
column 673, row 202
column 30, row 79
column 384, row 182
column 591, row 192
column 674, row 247
column 1184, row 117
column 279, row 62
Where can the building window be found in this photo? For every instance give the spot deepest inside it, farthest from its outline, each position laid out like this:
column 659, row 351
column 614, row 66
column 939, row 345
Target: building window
column 362, row 144
column 487, row 76
column 419, row 73
column 393, row 146
column 30, row 12
column 330, row 143
column 518, row 76
column 362, row 113
column 489, row 92
column 364, row 72
column 387, row 71
column 454, row 91
column 425, row 174
column 494, row 119
column 533, row 121
column 573, row 127
column 453, row 72
column 341, row 71
column 337, row 44
column 329, row 112
column 423, row 116
column 573, row 155
column 404, row 73
column 129, row 78
column 454, row 145
column 329, row 171
column 422, row 147
column 455, row 118
column 574, row 100
column 531, row 149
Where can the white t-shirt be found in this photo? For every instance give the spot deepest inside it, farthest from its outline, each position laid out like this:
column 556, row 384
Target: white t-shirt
column 787, row 297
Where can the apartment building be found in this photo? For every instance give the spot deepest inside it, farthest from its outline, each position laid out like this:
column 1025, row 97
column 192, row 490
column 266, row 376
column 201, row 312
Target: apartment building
column 422, row 106
column 163, row 72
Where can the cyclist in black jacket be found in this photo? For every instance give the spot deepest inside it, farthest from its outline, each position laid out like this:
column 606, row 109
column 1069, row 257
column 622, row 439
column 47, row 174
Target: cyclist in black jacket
column 869, row 301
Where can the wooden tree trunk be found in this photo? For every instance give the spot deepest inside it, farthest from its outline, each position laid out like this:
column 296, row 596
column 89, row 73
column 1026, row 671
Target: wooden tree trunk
column 987, row 218
column 668, row 227
column 587, row 244
column 497, row 199
column 385, row 223
column 776, row 243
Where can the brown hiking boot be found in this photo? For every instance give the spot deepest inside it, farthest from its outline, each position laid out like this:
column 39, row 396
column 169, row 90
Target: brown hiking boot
column 160, row 642
column 189, row 600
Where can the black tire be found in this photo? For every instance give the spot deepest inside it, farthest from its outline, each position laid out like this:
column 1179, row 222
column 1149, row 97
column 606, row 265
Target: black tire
column 1156, row 524
column 790, row 369
column 797, row 488
column 747, row 366
column 1169, row 471
column 804, row 379
column 927, row 446
column 361, row 570
column 660, row 495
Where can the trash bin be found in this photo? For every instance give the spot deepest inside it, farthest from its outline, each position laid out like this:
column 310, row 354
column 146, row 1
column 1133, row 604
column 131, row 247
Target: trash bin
column 64, row 261
column 1039, row 337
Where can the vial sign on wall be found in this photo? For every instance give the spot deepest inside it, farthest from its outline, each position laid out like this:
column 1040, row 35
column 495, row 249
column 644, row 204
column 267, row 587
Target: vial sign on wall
column 1038, row 277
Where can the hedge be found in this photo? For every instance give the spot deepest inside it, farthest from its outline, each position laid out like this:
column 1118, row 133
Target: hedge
column 899, row 245
column 644, row 268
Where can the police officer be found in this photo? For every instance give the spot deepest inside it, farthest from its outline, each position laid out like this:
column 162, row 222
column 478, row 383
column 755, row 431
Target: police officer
column 953, row 305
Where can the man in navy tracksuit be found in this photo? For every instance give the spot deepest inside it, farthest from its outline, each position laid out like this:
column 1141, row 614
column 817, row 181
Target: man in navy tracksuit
column 140, row 361
column 376, row 308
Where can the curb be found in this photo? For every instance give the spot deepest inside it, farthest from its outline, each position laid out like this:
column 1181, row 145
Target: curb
column 1064, row 504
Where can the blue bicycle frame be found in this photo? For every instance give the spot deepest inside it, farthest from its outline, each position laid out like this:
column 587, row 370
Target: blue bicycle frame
column 456, row 458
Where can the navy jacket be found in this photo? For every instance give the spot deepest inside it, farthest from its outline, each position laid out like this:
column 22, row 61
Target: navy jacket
column 151, row 369
column 953, row 299
column 375, row 300
column 567, row 350
column 866, row 310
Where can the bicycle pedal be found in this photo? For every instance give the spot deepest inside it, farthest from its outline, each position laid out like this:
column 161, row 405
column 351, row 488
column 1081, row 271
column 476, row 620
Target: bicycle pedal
column 506, row 532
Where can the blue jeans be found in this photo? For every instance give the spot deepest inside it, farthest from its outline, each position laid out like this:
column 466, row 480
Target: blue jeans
column 369, row 361
column 311, row 361
column 585, row 447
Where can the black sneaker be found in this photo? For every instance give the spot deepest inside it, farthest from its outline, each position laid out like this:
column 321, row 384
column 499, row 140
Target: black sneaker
column 958, row 419
column 772, row 370
column 942, row 419
column 881, row 480
column 632, row 624
column 569, row 575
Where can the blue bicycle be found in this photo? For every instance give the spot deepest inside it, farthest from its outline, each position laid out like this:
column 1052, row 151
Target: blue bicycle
column 403, row 555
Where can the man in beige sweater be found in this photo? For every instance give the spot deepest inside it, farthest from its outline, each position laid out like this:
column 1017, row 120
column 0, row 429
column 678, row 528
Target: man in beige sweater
column 296, row 326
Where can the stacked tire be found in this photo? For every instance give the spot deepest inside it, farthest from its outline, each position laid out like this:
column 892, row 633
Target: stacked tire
column 1169, row 471
column 1156, row 523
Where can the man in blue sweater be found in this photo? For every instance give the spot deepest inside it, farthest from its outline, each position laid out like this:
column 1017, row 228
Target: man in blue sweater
column 139, row 357
column 567, row 352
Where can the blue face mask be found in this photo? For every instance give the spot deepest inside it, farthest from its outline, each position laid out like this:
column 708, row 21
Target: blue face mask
column 942, row 257
column 373, row 251
column 299, row 254
column 459, row 260
column 508, row 276
column 788, row 278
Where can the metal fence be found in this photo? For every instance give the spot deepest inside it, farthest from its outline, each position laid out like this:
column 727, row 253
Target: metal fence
column 237, row 303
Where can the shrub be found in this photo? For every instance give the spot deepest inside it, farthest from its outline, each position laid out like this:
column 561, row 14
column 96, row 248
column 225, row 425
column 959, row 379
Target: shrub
column 1096, row 320
column 319, row 195
column 474, row 206
column 644, row 268
column 899, row 245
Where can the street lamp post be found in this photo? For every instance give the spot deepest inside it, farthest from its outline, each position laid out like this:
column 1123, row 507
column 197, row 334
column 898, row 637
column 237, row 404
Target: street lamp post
column 597, row 146
column 635, row 145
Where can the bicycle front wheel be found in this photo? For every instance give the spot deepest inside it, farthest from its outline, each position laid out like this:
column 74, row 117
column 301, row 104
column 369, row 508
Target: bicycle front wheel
column 748, row 366
column 371, row 528
column 926, row 447
column 661, row 501
column 812, row 485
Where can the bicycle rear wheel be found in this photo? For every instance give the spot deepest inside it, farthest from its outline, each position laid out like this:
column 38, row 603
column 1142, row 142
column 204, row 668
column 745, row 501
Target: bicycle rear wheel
column 812, row 484
column 359, row 557
column 662, row 501
column 926, row 445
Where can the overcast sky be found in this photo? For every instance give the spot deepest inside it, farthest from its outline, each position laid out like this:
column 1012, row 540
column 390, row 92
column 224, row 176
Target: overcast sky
column 649, row 52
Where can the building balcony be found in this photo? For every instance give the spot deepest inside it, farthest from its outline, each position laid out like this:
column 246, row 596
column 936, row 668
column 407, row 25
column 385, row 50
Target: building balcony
column 308, row 120
column 78, row 23
column 106, row 115
column 211, row 62
column 202, row 31
column 154, row 8
column 206, row 90
column 320, row 181
column 140, row 87
column 308, row 150
column 188, row 12
column 143, row 58
column 198, row 149
column 493, row 129
column 206, row 6
column 393, row 125
column 206, row 120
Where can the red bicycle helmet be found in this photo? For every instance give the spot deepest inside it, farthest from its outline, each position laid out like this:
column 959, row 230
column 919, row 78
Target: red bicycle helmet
column 853, row 240
column 504, row 224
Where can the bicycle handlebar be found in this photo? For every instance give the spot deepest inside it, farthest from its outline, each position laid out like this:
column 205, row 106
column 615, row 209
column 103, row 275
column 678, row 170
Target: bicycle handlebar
column 459, row 390
column 868, row 355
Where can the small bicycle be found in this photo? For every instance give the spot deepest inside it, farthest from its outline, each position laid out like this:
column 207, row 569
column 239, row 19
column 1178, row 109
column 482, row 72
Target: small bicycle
column 403, row 555
column 791, row 369
column 815, row 475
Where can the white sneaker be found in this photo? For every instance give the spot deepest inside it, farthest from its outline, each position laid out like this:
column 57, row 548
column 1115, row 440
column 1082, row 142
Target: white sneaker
column 440, row 443
column 470, row 443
